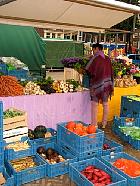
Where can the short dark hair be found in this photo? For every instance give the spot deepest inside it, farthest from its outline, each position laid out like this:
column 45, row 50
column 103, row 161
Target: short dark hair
column 97, row 45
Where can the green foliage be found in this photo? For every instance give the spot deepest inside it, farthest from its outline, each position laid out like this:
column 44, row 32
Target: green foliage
column 73, row 82
column 80, row 66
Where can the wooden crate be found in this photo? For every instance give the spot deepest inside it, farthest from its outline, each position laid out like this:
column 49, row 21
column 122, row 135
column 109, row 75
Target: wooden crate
column 70, row 73
column 15, row 122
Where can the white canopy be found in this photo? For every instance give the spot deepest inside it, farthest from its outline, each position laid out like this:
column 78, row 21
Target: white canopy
column 84, row 15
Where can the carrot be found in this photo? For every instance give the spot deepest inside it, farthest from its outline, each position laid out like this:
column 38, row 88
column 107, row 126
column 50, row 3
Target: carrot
column 9, row 86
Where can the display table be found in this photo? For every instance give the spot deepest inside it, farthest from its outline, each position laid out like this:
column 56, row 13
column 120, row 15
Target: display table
column 115, row 103
column 50, row 109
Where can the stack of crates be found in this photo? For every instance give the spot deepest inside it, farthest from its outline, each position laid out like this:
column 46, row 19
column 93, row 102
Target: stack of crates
column 20, row 74
column 83, row 147
column 130, row 108
column 9, row 180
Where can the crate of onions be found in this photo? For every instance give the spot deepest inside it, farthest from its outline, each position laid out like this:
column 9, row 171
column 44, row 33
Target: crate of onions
column 94, row 172
column 57, row 159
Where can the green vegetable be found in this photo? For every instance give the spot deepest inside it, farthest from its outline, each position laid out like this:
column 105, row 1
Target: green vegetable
column 134, row 132
column 10, row 113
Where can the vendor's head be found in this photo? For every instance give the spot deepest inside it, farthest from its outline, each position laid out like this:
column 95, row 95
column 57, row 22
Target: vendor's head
column 96, row 48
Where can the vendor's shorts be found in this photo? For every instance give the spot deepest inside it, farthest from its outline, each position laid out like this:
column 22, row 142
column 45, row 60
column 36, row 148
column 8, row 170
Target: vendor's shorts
column 103, row 99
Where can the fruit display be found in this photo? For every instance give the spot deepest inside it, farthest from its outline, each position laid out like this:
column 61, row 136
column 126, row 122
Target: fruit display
column 9, row 86
column 2, row 179
column 39, row 132
column 80, row 129
column 23, row 163
column 18, row 146
column 125, row 81
column 33, row 88
column 10, row 113
column 134, row 132
column 50, row 155
column 97, row 176
column 129, row 167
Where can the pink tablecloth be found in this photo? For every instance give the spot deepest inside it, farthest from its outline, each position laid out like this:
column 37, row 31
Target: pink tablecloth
column 50, row 109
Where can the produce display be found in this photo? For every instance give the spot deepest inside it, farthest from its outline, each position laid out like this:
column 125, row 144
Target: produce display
column 80, row 129
column 97, row 176
column 9, row 86
column 33, row 88
column 10, row 113
column 136, row 98
column 23, row 163
column 68, row 86
column 50, row 155
column 14, row 63
column 129, row 167
column 2, row 179
column 39, row 132
column 46, row 85
column 134, row 132
column 125, row 81
column 18, row 146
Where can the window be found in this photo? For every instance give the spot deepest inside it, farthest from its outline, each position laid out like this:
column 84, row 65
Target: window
column 53, row 35
column 47, row 35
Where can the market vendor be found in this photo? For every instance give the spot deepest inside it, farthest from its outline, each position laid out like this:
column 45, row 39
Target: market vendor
column 101, row 83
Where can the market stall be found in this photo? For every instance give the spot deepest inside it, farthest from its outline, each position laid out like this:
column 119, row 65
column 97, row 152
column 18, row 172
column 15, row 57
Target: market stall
column 38, row 156
column 51, row 109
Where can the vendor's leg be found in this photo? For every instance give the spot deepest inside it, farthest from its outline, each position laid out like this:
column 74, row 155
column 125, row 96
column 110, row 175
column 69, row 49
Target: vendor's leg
column 105, row 113
column 94, row 111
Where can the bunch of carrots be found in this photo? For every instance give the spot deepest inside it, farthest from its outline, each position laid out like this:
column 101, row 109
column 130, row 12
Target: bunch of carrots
column 9, row 86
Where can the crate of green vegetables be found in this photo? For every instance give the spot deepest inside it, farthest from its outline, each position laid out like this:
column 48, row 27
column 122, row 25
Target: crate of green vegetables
column 14, row 118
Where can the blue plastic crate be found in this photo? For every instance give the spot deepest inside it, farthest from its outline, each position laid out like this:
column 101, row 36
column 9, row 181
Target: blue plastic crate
column 108, row 160
column 19, row 74
column 85, row 155
column 134, row 143
column 10, row 154
column 9, row 179
column 61, row 168
column 3, row 69
column 114, row 147
column 42, row 141
column 1, row 153
column 81, row 180
column 79, row 144
column 130, row 107
column 30, row 174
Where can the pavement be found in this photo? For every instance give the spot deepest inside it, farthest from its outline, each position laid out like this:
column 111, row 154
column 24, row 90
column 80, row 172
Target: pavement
column 64, row 180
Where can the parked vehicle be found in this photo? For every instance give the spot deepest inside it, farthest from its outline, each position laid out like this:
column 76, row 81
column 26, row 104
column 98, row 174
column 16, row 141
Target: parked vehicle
column 135, row 58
